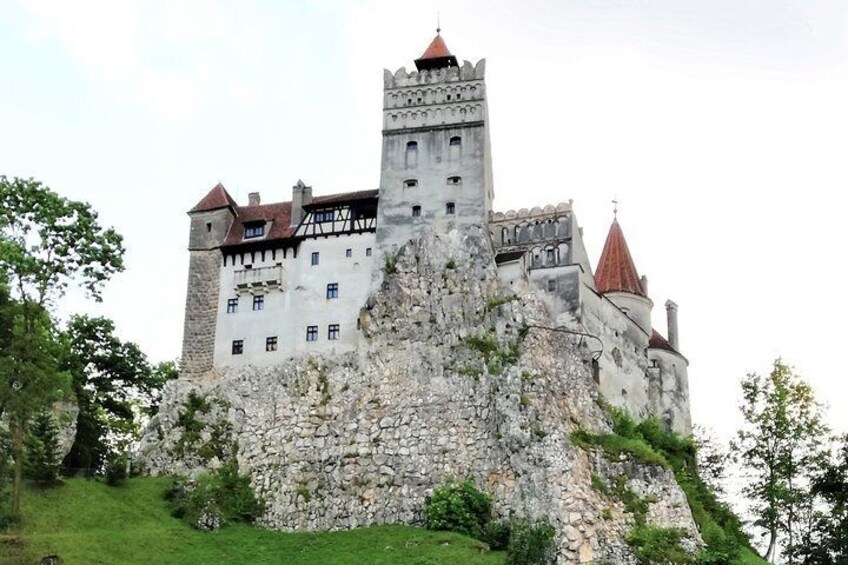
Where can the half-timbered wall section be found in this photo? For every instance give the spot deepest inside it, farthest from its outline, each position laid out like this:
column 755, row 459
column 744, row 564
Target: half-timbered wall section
column 324, row 219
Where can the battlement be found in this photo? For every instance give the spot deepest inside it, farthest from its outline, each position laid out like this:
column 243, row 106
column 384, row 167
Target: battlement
column 401, row 78
column 535, row 213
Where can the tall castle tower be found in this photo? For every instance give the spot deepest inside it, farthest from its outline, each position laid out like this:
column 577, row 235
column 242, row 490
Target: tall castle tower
column 437, row 162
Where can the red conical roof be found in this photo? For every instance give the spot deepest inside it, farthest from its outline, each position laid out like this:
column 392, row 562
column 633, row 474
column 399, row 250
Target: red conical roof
column 616, row 271
column 216, row 198
column 436, row 49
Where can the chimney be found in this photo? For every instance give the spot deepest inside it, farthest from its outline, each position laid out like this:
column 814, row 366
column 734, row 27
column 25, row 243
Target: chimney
column 644, row 283
column 301, row 196
column 253, row 199
column 671, row 312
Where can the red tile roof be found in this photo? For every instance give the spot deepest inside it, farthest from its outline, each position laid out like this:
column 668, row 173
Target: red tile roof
column 436, row 49
column 216, row 198
column 279, row 213
column 657, row 341
column 616, row 271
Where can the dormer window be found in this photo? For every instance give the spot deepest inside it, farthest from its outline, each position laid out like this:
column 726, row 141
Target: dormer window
column 254, row 230
column 410, row 183
column 454, row 180
column 322, row 216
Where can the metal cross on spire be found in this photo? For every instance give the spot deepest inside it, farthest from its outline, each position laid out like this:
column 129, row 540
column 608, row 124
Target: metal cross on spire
column 615, row 203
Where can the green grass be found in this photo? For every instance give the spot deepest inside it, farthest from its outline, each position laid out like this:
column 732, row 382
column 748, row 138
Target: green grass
column 87, row 522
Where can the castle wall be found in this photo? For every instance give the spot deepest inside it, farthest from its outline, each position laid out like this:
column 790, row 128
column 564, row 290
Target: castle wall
column 199, row 329
column 669, row 390
column 300, row 301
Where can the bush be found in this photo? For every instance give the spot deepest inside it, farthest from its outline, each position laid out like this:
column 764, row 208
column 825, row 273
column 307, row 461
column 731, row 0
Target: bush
column 530, row 543
column 42, row 451
column 459, row 507
column 215, row 499
column 497, row 535
column 116, row 469
column 652, row 544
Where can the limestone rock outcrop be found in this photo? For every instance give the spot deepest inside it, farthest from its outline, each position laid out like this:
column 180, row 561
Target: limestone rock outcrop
column 455, row 377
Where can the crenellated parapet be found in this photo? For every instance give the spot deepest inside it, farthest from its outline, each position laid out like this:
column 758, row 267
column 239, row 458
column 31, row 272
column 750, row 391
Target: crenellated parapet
column 402, row 79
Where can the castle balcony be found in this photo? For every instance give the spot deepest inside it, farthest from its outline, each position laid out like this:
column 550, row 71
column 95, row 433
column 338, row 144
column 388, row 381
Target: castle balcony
column 263, row 278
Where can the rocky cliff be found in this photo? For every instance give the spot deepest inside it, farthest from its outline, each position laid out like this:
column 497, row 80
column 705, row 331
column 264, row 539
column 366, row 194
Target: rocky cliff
column 455, row 377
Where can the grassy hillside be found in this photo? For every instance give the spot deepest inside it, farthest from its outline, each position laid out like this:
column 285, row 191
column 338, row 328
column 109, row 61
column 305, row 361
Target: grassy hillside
column 87, row 522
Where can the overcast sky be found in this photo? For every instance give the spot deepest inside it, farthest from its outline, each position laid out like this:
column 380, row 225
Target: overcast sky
column 721, row 125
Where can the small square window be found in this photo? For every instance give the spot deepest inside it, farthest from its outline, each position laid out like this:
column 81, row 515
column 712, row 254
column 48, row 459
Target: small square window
column 238, row 346
column 314, row 257
column 368, row 252
column 258, row 302
column 348, row 252
column 450, row 208
column 416, row 211
column 232, row 305
column 271, row 343
column 311, row 333
column 333, row 331
column 332, row 290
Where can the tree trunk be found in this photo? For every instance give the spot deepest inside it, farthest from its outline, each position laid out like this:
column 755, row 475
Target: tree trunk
column 772, row 546
column 18, row 454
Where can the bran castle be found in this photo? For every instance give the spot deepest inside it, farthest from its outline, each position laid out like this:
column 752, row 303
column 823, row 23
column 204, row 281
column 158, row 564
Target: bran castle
column 268, row 282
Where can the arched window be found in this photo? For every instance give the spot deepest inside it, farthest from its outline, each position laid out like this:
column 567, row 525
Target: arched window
column 456, row 140
column 450, row 208
column 504, row 235
column 411, row 146
column 411, row 153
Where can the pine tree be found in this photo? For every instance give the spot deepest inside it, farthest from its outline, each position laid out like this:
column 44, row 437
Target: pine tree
column 42, row 451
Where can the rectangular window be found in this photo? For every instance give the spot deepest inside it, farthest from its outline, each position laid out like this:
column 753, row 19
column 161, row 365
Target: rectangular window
column 232, row 305
column 358, row 324
column 348, row 252
column 333, row 331
column 450, row 208
column 333, row 290
column 258, row 302
column 311, row 333
column 314, row 257
column 238, row 346
column 552, row 285
column 271, row 343
column 255, row 230
column 322, row 216
column 416, row 211
column 550, row 256
column 368, row 252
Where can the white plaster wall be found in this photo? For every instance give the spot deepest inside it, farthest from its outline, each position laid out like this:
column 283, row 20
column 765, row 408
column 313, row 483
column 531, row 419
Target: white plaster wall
column 637, row 307
column 623, row 364
column 300, row 303
column 672, row 404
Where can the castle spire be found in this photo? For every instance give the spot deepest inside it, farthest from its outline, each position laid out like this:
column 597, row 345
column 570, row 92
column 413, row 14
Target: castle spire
column 437, row 55
column 616, row 271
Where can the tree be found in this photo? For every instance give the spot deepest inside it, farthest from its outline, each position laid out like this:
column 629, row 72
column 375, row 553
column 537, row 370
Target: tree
column 780, row 444
column 712, row 460
column 47, row 243
column 42, row 454
column 115, row 385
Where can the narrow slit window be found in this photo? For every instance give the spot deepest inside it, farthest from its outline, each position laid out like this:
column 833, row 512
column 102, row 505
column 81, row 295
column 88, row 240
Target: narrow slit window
column 450, row 208
column 368, row 252
column 208, row 227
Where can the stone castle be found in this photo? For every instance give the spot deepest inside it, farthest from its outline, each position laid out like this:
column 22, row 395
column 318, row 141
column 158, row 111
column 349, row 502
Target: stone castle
column 269, row 282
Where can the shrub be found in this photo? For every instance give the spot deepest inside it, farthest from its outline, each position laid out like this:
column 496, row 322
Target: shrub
column 459, row 507
column 219, row 497
column 116, row 469
column 497, row 535
column 652, row 544
column 530, row 543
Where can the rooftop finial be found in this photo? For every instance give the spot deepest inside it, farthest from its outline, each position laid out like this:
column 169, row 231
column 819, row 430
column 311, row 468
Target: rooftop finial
column 438, row 22
column 615, row 207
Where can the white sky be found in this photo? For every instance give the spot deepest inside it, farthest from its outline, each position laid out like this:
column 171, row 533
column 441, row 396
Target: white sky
column 720, row 125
